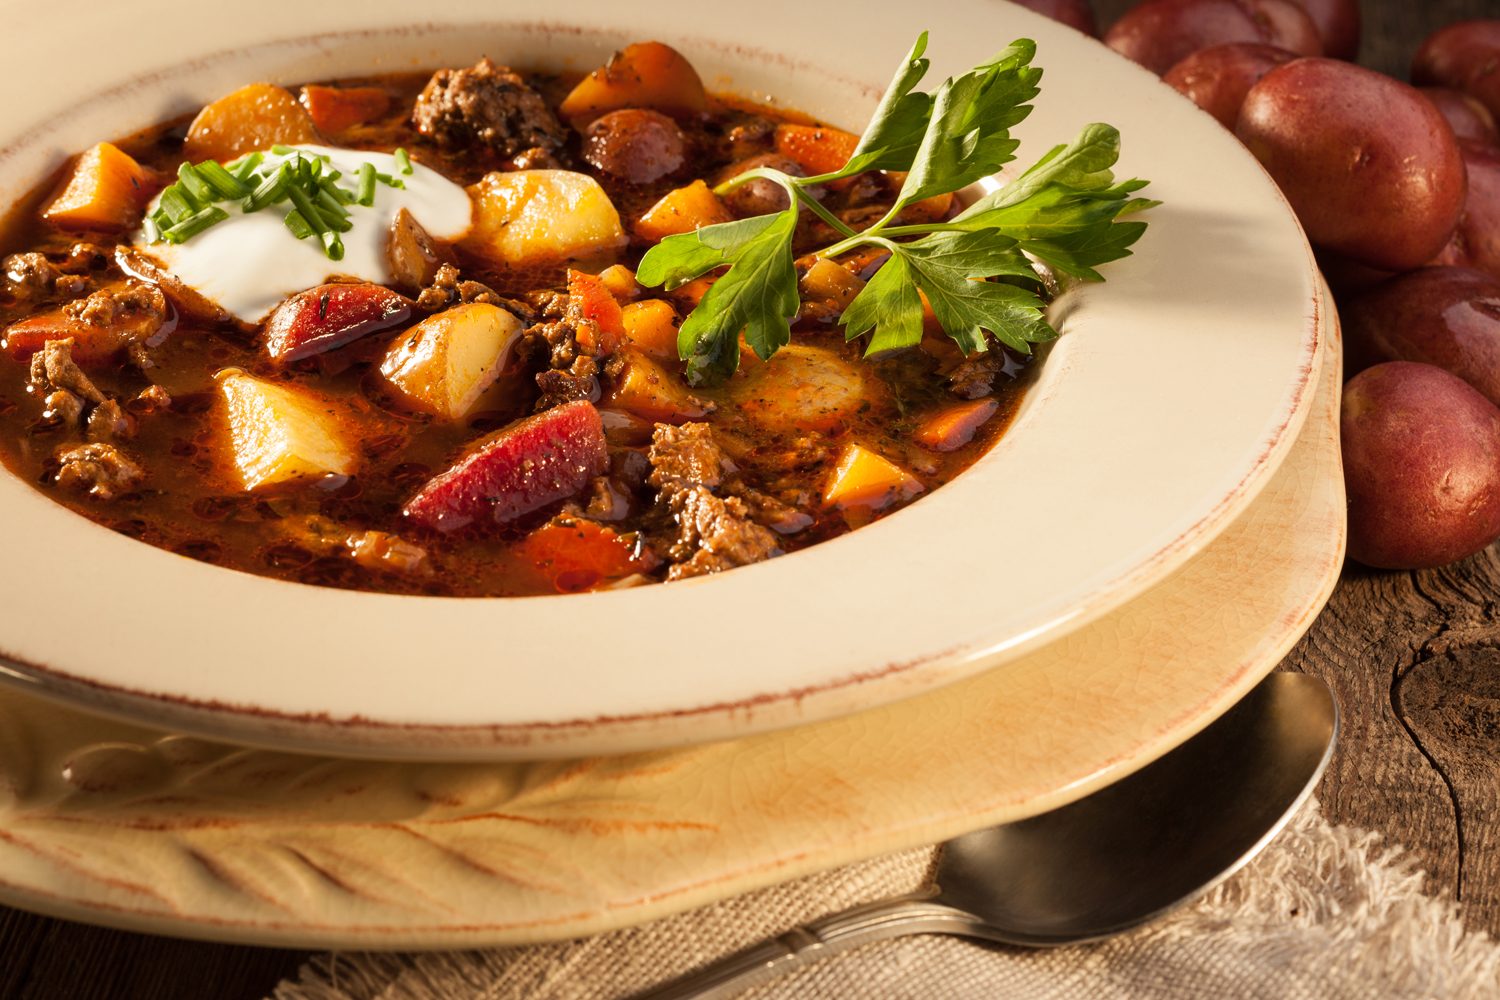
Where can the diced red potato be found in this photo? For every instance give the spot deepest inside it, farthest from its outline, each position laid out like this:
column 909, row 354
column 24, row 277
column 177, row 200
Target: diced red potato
column 257, row 116
column 647, row 390
column 92, row 344
column 528, row 217
column 190, row 303
column 684, row 210
column 953, row 427
column 280, row 434
column 578, row 555
column 521, row 468
column 446, row 362
column 106, row 189
column 594, row 301
column 414, row 256
column 337, row 109
column 864, row 478
column 329, row 316
column 635, row 145
column 651, row 327
column 810, row 388
column 643, row 75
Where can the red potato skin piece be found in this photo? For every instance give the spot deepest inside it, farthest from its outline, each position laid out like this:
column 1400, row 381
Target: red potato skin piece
column 1158, row 34
column 521, row 468
column 330, row 316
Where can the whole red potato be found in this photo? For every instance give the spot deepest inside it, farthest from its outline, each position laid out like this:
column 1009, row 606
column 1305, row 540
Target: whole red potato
column 1476, row 241
column 1464, row 56
column 1369, row 165
column 1159, row 34
column 1338, row 21
column 1469, row 119
column 1218, row 78
column 1443, row 316
column 1421, row 466
column 1074, row 13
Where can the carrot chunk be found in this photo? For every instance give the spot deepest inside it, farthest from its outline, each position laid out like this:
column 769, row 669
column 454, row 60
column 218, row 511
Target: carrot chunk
column 951, row 428
column 335, row 109
column 863, row 478
column 577, row 554
column 105, row 191
column 684, row 210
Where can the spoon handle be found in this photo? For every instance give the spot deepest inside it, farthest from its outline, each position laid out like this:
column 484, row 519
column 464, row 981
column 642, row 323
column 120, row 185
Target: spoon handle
column 817, row 940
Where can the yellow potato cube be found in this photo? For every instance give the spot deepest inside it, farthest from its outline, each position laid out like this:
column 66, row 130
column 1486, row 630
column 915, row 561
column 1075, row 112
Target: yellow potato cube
column 280, row 434
column 446, row 362
column 528, row 217
column 651, row 325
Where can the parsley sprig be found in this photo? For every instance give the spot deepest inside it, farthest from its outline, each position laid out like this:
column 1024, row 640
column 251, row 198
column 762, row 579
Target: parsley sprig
column 319, row 204
column 975, row 270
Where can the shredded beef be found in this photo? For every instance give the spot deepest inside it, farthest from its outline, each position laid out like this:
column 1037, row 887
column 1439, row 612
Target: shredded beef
column 560, row 387
column 108, row 422
column 974, row 378
column 490, row 105
column 98, row 469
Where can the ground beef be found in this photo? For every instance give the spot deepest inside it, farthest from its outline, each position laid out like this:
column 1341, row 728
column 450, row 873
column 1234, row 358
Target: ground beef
column 684, row 456
column 489, row 105
column 98, row 469
column 559, row 387
column 133, row 305
column 975, row 377
column 448, row 289
column 53, row 369
column 31, row 277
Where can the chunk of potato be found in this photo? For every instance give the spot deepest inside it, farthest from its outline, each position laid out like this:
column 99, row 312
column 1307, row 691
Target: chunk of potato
column 651, row 327
column 646, row 389
column 105, row 191
column 280, row 434
column 644, row 75
column 682, row 211
column 811, row 388
column 864, row 478
column 257, row 116
column 527, row 217
column 446, row 362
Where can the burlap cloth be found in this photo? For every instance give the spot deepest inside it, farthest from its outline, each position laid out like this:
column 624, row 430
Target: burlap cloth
column 1326, row 912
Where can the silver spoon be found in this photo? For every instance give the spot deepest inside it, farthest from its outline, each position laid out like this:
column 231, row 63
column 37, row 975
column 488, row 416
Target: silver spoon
column 1104, row 864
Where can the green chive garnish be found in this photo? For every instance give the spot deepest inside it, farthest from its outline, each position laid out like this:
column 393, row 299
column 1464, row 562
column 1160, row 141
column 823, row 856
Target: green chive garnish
column 195, row 224
column 390, row 181
column 305, row 206
column 270, row 191
column 366, row 184
column 402, row 160
column 333, row 246
column 281, row 150
column 298, row 225
column 244, row 168
column 225, row 184
column 330, row 206
column 177, row 205
column 187, row 176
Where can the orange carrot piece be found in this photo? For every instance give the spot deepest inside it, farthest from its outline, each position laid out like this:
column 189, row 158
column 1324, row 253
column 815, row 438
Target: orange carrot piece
column 579, row 554
column 951, row 428
column 335, row 109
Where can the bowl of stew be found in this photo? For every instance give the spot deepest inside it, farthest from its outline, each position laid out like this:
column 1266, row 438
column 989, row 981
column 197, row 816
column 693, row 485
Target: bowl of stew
column 338, row 412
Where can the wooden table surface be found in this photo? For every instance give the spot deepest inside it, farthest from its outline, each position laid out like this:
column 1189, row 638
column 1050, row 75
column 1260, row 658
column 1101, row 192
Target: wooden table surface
column 1413, row 657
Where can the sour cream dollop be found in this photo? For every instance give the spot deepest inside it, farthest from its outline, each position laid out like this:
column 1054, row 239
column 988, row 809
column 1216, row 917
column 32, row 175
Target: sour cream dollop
column 250, row 262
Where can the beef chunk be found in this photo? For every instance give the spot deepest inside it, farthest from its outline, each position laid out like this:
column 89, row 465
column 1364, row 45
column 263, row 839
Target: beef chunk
column 109, row 422
column 31, row 277
column 448, row 289
column 714, row 534
column 98, row 469
column 133, row 306
column 974, row 377
column 685, row 455
column 559, row 387
column 489, row 105
column 54, row 370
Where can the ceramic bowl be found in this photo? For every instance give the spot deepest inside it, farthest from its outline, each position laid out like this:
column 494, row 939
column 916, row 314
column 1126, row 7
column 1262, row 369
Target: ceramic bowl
column 1174, row 392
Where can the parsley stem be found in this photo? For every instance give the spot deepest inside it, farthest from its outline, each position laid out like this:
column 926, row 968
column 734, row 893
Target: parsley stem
column 817, row 209
column 925, row 228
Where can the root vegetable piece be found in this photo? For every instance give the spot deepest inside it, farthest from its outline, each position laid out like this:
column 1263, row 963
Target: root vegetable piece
column 1218, row 78
column 1074, row 13
column 951, row 428
column 1470, row 119
column 635, row 145
column 337, row 109
column 414, row 256
column 446, row 362
column 528, row 217
column 594, row 301
column 806, row 387
column 105, row 190
column 1339, row 23
column 1443, row 316
column 281, row 434
column 647, row 390
column 1476, row 241
column 189, row 302
column 620, row 280
column 651, row 327
column 682, row 211
column 1159, row 34
column 577, row 554
column 830, row 282
column 643, row 75
column 1464, row 56
column 1369, row 165
column 257, row 116
column 329, row 316
column 1421, row 466
column 864, row 478
column 816, row 148
column 93, row 343
column 521, row 468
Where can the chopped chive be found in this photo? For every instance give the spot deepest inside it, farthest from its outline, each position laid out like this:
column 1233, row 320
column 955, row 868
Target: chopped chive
column 187, row 176
column 367, row 184
column 161, row 218
column 177, row 204
column 245, row 166
column 402, row 160
column 390, row 181
column 329, row 206
column 225, row 184
column 195, row 224
column 281, row 150
column 298, row 225
column 270, row 191
column 150, row 230
column 332, row 175
column 304, row 205
column 333, row 246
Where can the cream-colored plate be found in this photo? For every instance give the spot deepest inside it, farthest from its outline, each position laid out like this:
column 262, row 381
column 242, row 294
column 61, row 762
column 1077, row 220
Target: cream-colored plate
column 115, row 824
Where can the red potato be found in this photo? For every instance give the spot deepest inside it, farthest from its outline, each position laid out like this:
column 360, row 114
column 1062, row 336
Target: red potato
column 1443, row 316
column 761, row 196
column 1074, row 13
column 1470, row 119
column 1464, row 56
column 635, row 145
column 1338, row 22
column 1421, row 466
column 1159, row 34
column 1368, row 164
column 520, row 468
column 330, row 316
column 1476, row 241
column 1218, row 78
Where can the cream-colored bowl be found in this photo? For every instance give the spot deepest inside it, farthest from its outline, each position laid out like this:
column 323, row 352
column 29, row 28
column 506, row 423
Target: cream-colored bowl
column 1174, row 392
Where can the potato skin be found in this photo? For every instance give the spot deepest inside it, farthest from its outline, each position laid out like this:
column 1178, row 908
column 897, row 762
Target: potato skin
column 1443, row 316
column 1338, row 21
column 1369, row 165
column 1159, row 34
column 1218, row 78
column 1074, row 13
column 1421, row 466
column 1462, row 56
column 1469, row 119
column 635, row 145
column 1476, row 241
